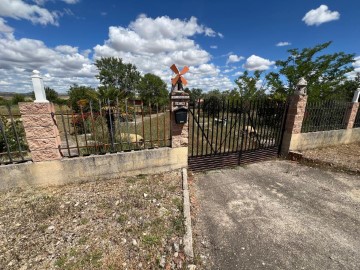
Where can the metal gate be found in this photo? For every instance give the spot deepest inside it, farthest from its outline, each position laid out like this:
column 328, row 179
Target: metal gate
column 223, row 134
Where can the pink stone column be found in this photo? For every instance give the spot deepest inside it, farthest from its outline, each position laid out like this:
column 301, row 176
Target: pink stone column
column 179, row 132
column 295, row 115
column 41, row 131
column 351, row 114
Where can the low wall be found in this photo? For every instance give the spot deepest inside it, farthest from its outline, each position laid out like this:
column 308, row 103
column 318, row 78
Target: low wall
column 304, row 141
column 91, row 168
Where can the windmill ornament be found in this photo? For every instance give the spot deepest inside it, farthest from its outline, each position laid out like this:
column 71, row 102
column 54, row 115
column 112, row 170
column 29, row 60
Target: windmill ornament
column 178, row 81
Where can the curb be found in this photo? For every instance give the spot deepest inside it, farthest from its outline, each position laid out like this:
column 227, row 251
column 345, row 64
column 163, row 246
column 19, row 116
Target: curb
column 188, row 241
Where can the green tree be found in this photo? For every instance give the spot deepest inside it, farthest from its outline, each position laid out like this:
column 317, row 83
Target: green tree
column 115, row 74
column 347, row 89
column 248, row 85
column 195, row 94
column 17, row 98
column 82, row 94
column 153, row 90
column 323, row 72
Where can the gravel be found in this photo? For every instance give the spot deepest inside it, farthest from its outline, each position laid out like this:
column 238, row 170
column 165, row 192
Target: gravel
column 95, row 225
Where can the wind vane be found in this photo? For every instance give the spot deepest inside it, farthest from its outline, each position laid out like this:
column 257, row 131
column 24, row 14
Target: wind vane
column 178, row 81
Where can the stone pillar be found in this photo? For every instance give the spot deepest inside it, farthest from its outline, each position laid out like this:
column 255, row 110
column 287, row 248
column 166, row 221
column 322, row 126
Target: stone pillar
column 42, row 134
column 295, row 115
column 352, row 110
column 179, row 132
column 41, row 131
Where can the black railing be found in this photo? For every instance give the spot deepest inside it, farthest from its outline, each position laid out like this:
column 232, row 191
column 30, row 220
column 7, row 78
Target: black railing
column 357, row 119
column 113, row 126
column 13, row 145
column 233, row 127
column 326, row 115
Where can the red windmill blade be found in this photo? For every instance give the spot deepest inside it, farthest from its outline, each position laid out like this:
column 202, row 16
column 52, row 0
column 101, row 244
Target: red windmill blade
column 178, row 76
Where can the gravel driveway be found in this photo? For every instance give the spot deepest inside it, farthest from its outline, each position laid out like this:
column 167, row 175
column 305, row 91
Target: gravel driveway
column 277, row 215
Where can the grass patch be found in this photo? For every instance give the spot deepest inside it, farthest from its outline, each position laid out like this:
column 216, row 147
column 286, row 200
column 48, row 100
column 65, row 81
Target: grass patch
column 151, row 240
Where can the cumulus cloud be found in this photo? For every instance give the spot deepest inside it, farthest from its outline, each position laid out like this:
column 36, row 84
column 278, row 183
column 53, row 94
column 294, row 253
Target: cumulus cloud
column 239, row 73
column 255, row 62
column 233, row 58
column 18, row 9
column 4, row 28
column 154, row 44
column 320, row 15
column 151, row 44
column 283, row 43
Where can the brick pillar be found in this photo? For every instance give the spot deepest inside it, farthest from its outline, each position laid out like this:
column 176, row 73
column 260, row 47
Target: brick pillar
column 41, row 131
column 351, row 114
column 179, row 132
column 295, row 115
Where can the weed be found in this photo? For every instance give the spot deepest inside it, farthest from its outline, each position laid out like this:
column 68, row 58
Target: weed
column 151, row 240
column 122, row 219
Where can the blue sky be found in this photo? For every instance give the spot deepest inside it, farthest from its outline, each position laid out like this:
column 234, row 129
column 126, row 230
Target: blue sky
column 218, row 40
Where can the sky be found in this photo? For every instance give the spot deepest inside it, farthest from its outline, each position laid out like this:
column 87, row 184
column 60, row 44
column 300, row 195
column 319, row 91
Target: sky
column 218, row 40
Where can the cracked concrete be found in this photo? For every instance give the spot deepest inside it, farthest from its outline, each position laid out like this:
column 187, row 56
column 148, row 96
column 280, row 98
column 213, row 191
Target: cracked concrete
column 278, row 215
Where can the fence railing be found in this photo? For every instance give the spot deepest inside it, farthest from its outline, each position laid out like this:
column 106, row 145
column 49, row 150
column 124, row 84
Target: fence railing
column 230, row 127
column 326, row 115
column 13, row 145
column 112, row 126
column 357, row 119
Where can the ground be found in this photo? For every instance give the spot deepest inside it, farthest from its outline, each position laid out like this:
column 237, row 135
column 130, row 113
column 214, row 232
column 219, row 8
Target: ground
column 276, row 215
column 345, row 157
column 127, row 223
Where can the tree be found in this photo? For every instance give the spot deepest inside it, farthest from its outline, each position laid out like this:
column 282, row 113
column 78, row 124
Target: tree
column 83, row 94
column 17, row 98
column 195, row 94
column 324, row 73
column 249, row 85
column 115, row 74
column 153, row 90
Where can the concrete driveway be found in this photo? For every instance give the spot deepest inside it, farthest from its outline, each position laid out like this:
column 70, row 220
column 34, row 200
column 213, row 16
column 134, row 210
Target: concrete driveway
column 277, row 215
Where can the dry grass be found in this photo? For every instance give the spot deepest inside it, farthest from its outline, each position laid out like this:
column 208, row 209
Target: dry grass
column 128, row 223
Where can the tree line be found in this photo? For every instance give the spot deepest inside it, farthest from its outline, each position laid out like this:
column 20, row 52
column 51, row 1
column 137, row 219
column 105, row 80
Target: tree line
column 326, row 75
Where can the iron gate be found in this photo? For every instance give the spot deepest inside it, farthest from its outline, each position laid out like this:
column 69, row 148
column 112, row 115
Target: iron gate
column 223, row 134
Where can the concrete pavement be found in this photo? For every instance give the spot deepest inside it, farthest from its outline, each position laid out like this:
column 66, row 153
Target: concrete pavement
column 277, row 215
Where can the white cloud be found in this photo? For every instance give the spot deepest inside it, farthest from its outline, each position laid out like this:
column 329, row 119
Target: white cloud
column 152, row 49
column 283, row 43
column 320, row 15
column 356, row 66
column 255, row 62
column 239, row 73
column 233, row 58
column 213, row 46
column 5, row 28
column 18, row 9
column 157, row 43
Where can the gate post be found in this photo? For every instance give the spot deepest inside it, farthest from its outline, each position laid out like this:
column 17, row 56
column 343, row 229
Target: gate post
column 40, row 127
column 179, row 127
column 295, row 115
column 352, row 110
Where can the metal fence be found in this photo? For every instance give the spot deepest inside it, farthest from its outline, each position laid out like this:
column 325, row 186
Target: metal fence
column 325, row 115
column 112, row 126
column 13, row 145
column 357, row 119
column 233, row 133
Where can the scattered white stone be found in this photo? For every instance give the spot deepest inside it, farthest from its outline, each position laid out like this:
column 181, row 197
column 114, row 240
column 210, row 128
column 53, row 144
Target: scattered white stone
column 51, row 228
column 76, row 204
column 134, row 242
column 18, row 224
column 140, row 265
column 191, row 267
column 162, row 261
column 145, row 195
column 176, row 247
column 117, row 202
column 242, row 248
column 123, row 241
column 176, row 254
